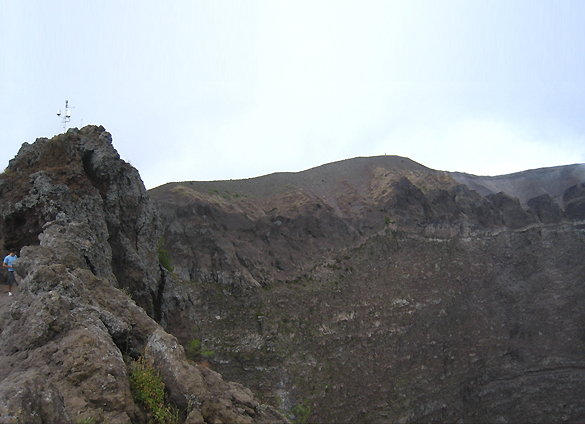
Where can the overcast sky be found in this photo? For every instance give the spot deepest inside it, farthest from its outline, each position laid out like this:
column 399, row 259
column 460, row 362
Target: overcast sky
column 207, row 90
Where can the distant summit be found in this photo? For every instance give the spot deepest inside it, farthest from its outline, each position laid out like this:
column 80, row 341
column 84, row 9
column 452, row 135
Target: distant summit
column 354, row 199
column 529, row 184
column 379, row 290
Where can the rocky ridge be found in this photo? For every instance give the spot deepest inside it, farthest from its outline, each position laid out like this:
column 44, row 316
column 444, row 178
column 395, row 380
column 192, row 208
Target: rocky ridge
column 257, row 231
column 91, row 288
column 378, row 290
column 367, row 290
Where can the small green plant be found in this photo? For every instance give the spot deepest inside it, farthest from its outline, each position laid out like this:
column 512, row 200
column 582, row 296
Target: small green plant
column 259, row 313
column 86, row 421
column 195, row 351
column 163, row 256
column 300, row 413
column 126, row 291
column 388, row 221
column 149, row 389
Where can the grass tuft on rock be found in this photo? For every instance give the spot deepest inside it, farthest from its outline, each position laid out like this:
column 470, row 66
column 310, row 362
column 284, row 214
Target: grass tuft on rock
column 149, row 390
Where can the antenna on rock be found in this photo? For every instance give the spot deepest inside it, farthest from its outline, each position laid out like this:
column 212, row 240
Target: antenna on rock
column 66, row 116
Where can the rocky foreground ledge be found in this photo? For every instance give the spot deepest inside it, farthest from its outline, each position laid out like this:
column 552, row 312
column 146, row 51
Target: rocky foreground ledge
column 70, row 336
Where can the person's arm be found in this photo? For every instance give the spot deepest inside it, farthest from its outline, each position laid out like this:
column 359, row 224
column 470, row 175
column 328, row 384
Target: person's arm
column 5, row 265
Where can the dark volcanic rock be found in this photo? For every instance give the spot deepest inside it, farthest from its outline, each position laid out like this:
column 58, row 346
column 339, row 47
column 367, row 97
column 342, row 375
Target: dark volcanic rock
column 85, row 227
column 377, row 290
column 80, row 175
column 258, row 231
column 527, row 184
column 255, row 232
column 409, row 202
column 574, row 199
column 513, row 214
column 62, row 346
column 368, row 290
column 546, row 209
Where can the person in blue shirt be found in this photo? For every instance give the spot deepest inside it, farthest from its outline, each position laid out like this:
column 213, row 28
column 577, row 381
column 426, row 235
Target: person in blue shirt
column 8, row 260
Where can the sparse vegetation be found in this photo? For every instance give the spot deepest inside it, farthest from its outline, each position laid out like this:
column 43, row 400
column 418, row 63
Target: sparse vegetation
column 126, row 291
column 163, row 256
column 196, row 352
column 259, row 313
column 300, row 413
column 149, row 390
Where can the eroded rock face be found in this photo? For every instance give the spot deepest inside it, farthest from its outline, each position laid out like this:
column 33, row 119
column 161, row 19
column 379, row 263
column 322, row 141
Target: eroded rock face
column 80, row 175
column 574, row 198
column 546, row 209
column 382, row 291
column 252, row 233
column 85, row 227
column 514, row 216
column 64, row 339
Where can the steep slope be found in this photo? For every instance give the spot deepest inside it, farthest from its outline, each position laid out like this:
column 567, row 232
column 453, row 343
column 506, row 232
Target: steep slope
column 80, row 175
column 527, row 184
column 70, row 338
column 253, row 232
column 378, row 290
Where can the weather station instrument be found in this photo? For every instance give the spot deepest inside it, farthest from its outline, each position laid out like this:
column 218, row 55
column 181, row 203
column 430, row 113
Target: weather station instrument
column 66, row 115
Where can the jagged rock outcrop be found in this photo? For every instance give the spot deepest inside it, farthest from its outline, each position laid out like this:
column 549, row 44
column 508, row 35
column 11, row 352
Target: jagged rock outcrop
column 574, row 198
column 85, row 228
column 80, row 174
column 64, row 339
column 514, row 216
column 546, row 209
column 526, row 185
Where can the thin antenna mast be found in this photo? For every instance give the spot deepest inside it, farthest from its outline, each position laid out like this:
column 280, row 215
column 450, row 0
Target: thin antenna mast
column 66, row 116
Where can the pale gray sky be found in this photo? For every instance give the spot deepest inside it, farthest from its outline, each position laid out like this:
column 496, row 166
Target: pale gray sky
column 204, row 90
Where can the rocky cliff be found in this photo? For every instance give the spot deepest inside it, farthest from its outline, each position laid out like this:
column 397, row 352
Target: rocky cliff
column 80, row 175
column 368, row 290
column 257, row 231
column 90, row 295
column 378, row 290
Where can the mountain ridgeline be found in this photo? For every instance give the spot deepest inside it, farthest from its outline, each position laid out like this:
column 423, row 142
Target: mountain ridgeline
column 378, row 290
column 370, row 290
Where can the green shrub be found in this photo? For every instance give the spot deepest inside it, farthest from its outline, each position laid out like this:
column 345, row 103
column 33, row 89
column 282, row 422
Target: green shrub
column 300, row 413
column 195, row 351
column 163, row 256
column 149, row 390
